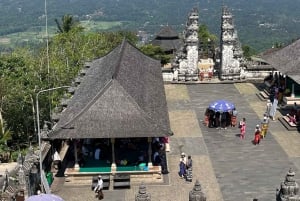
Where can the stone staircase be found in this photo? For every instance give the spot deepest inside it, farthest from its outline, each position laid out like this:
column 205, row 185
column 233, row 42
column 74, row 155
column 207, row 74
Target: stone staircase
column 263, row 95
column 86, row 180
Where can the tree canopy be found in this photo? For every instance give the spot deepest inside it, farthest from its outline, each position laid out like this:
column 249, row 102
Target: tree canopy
column 25, row 72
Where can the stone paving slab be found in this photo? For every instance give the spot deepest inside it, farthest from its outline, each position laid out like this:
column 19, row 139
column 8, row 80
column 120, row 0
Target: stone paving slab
column 184, row 123
column 176, row 92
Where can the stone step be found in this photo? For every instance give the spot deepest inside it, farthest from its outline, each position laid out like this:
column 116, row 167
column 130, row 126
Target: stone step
column 261, row 96
column 287, row 125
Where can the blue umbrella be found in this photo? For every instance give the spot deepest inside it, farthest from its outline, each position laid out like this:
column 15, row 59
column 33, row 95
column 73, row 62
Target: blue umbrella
column 221, row 106
column 44, row 197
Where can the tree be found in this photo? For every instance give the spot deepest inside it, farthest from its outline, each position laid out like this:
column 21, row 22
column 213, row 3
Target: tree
column 206, row 39
column 248, row 51
column 156, row 52
column 24, row 72
column 67, row 24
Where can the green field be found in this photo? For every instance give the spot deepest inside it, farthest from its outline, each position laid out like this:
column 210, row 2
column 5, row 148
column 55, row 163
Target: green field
column 36, row 35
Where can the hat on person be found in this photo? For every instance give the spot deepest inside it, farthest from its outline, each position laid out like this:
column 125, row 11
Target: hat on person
column 99, row 176
column 257, row 126
column 182, row 154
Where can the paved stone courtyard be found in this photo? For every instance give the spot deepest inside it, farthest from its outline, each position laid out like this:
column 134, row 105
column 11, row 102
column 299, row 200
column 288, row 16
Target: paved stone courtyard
column 228, row 168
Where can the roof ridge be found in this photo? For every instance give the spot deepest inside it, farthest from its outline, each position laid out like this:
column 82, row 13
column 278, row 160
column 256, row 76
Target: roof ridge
column 121, row 53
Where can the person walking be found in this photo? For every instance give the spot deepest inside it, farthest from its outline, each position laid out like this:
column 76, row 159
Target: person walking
column 268, row 108
column 274, row 105
column 257, row 134
column 242, row 127
column 98, row 188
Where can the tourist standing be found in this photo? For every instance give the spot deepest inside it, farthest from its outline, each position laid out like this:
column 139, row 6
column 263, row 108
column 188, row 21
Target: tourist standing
column 99, row 187
column 242, row 127
column 189, row 163
column 274, row 105
column 183, row 156
column 182, row 165
column 268, row 109
column 234, row 117
column 182, row 168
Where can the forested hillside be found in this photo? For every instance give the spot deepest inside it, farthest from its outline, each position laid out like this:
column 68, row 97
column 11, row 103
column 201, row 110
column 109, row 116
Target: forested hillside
column 260, row 23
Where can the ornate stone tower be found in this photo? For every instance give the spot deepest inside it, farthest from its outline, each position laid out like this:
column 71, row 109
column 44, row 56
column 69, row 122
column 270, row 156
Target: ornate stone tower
column 231, row 51
column 187, row 58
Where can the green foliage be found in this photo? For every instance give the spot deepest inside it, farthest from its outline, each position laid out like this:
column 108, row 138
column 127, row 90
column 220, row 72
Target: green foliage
column 5, row 135
column 156, row 52
column 248, row 51
column 207, row 40
column 25, row 71
column 67, row 24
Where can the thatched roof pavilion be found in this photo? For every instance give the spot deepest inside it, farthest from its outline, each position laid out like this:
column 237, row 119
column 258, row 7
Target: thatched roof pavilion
column 286, row 60
column 121, row 96
column 168, row 40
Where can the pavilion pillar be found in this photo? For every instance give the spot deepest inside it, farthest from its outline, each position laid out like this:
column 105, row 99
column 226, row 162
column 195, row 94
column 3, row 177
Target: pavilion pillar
column 113, row 164
column 77, row 167
column 150, row 165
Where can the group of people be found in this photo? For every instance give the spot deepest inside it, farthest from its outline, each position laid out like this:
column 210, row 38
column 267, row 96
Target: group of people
column 219, row 119
column 259, row 131
column 185, row 165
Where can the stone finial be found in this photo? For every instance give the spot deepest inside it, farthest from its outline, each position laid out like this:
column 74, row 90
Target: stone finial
column 196, row 194
column 290, row 177
column 142, row 194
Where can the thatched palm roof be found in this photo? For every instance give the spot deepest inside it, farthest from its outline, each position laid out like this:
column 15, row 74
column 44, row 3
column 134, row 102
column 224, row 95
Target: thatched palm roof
column 286, row 60
column 121, row 95
column 167, row 39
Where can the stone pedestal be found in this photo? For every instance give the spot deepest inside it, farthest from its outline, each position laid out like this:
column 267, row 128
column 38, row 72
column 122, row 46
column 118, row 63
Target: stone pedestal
column 142, row 194
column 289, row 188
